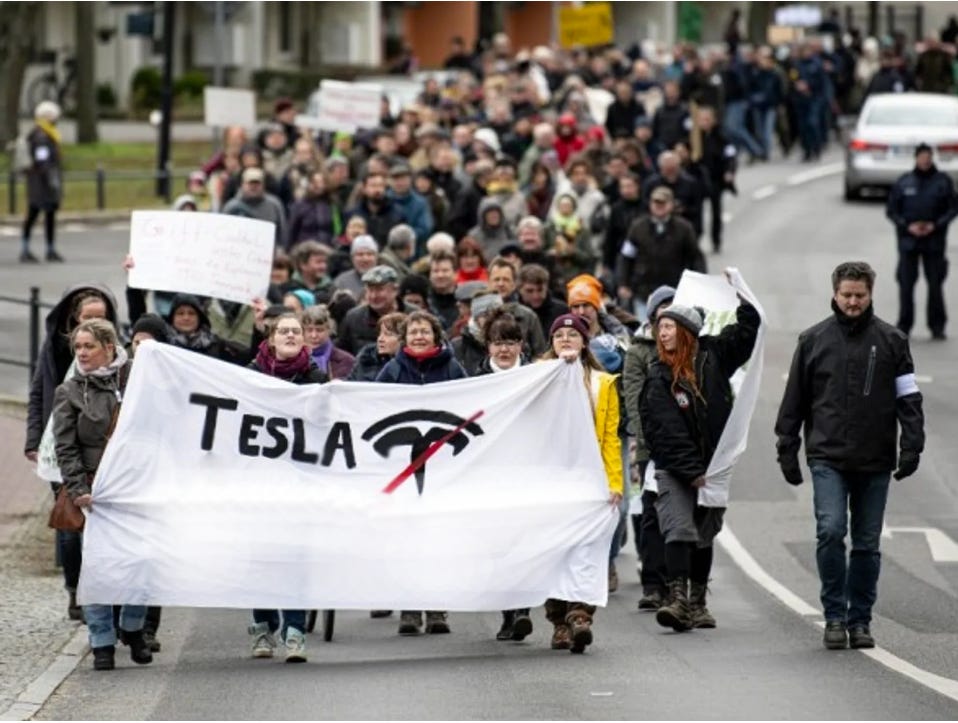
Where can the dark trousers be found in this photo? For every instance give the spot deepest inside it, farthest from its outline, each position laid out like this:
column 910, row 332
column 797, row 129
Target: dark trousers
column 715, row 199
column 651, row 546
column 49, row 223
column 935, row 266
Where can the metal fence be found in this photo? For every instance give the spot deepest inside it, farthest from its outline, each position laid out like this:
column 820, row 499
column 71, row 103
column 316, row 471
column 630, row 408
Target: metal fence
column 100, row 177
column 35, row 305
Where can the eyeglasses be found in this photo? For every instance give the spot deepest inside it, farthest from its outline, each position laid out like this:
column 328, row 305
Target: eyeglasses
column 289, row 330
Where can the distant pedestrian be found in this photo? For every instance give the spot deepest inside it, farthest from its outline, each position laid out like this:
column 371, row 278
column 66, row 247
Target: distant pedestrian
column 852, row 386
column 921, row 205
column 42, row 164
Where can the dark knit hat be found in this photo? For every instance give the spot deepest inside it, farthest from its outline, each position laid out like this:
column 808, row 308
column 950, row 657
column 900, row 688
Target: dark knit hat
column 688, row 317
column 573, row 321
column 657, row 298
column 153, row 325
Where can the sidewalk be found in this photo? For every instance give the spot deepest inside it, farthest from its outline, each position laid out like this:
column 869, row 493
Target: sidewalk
column 131, row 131
column 33, row 622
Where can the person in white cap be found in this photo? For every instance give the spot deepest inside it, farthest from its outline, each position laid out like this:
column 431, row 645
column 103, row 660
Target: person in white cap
column 42, row 165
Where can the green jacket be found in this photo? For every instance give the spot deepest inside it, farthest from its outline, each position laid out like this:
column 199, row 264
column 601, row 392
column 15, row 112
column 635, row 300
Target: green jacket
column 638, row 359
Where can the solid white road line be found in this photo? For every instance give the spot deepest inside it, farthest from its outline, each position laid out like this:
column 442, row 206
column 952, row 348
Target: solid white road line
column 741, row 557
column 39, row 691
column 814, row 174
column 764, row 192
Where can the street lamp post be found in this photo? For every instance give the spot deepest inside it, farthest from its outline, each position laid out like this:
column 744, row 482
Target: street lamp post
column 163, row 186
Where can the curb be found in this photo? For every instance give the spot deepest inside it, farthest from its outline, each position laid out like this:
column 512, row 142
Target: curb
column 36, row 694
column 91, row 217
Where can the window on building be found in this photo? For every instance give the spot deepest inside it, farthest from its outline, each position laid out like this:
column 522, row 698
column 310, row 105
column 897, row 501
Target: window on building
column 285, row 27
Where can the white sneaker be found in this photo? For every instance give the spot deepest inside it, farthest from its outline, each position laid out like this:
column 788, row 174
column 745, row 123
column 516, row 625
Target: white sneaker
column 263, row 641
column 295, row 646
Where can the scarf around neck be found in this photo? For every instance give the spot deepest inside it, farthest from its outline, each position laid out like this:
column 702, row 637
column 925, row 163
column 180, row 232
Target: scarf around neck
column 50, row 129
column 281, row 368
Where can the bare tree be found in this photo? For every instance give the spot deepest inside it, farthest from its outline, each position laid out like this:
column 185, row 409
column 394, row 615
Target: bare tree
column 17, row 26
column 86, row 74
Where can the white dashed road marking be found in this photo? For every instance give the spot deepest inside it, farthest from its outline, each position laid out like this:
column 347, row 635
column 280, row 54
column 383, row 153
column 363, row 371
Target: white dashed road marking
column 814, row 174
column 764, row 192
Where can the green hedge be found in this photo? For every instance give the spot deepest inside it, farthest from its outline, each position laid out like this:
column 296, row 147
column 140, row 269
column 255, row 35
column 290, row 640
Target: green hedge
column 299, row 84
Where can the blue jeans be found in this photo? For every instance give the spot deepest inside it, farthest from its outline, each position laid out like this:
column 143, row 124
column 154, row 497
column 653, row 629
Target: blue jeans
column 99, row 621
column 735, row 113
column 849, row 587
column 763, row 119
column 291, row 619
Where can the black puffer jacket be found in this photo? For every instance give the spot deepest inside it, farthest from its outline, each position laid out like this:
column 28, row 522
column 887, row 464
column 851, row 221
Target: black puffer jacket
column 369, row 362
column 922, row 196
column 682, row 429
column 851, row 383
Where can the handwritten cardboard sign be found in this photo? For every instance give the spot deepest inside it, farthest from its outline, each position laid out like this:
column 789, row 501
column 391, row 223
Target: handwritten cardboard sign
column 225, row 257
column 348, row 106
column 224, row 107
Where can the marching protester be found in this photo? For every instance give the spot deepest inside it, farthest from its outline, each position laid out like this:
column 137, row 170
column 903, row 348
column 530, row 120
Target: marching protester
column 683, row 408
column 84, row 413
column 55, row 363
column 645, row 527
column 852, row 387
column 43, row 167
column 190, row 329
column 363, row 255
column 569, row 336
column 424, row 357
column 317, row 333
column 381, row 297
column 374, row 356
column 284, row 355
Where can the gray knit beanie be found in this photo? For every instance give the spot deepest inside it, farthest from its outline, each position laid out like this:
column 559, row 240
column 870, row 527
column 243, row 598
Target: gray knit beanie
column 688, row 317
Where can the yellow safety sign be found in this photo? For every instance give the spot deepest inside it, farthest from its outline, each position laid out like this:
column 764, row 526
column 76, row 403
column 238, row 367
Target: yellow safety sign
column 587, row 24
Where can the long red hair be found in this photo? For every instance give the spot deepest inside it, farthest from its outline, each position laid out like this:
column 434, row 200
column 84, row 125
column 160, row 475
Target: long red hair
column 681, row 360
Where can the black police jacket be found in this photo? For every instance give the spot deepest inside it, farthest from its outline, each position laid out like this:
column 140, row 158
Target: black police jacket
column 682, row 428
column 922, row 196
column 851, row 384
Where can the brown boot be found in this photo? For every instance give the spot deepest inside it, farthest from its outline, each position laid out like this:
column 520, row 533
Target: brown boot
column 700, row 615
column 676, row 614
column 580, row 623
column 561, row 637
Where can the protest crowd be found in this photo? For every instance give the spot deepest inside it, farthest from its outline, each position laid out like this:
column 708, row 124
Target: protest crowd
column 493, row 223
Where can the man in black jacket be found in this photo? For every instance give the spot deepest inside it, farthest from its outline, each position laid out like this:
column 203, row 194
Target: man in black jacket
column 719, row 161
column 689, row 191
column 624, row 211
column 921, row 205
column 851, row 385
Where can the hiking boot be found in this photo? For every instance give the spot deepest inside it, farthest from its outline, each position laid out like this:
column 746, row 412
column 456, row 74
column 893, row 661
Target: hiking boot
column 836, row 636
column 150, row 638
column 652, row 600
column 701, row 617
column 859, row 636
column 74, row 611
column 264, row 644
column 54, row 257
column 410, row 622
column 380, row 613
column 27, row 257
column 436, row 622
column 295, row 644
column 561, row 637
column 139, row 650
column 676, row 614
column 522, row 627
column 613, row 578
column 580, row 623
column 104, row 658
column 505, row 630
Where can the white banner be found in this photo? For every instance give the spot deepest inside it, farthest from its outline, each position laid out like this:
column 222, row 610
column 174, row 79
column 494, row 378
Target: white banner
column 225, row 257
column 223, row 487
column 348, row 106
column 223, row 107
column 718, row 298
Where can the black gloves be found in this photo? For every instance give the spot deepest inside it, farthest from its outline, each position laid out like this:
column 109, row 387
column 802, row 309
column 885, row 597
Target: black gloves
column 791, row 470
column 907, row 465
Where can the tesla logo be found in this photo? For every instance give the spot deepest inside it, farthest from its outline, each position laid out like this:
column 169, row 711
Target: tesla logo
column 399, row 430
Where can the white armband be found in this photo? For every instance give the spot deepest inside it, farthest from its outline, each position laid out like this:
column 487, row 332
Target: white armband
column 905, row 384
column 629, row 250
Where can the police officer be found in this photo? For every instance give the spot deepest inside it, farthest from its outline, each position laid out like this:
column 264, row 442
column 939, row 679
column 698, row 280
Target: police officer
column 921, row 205
column 852, row 386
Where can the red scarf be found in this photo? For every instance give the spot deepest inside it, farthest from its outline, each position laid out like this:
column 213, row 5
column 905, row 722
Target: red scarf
column 480, row 274
column 282, row 368
column 421, row 355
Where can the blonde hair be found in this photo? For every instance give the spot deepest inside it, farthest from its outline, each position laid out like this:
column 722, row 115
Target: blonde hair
column 101, row 330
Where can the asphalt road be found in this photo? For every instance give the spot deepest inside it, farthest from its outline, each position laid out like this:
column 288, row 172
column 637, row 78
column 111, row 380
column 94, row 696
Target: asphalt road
column 765, row 660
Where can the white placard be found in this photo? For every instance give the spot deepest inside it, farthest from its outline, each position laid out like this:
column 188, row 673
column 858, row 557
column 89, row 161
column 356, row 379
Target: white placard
column 209, row 254
column 224, row 487
column 598, row 100
column 224, row 107
column 348, row 106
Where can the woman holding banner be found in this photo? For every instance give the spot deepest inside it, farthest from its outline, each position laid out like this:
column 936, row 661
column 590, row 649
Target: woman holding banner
column 84, row 409
column 684, row 405
column 569, row 337
column 283, row 354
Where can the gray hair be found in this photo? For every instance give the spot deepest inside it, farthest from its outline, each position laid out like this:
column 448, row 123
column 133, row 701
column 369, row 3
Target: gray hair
column 401, row 236
column 440, row 241
column 529, row 222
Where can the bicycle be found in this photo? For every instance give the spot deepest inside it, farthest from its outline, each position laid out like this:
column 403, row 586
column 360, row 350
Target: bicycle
column 48, row 86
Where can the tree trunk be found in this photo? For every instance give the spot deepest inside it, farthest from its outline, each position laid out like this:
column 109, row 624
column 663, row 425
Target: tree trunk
column 759, row 18
column 86, row 74
column 17, row 26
